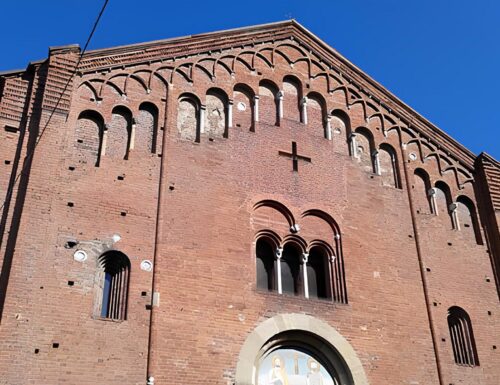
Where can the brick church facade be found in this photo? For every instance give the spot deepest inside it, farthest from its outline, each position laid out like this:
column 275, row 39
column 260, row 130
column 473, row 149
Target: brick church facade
column 241, row 207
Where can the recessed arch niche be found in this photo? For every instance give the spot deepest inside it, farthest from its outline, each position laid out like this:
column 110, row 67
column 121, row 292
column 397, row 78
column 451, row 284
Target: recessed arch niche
column 291, row 349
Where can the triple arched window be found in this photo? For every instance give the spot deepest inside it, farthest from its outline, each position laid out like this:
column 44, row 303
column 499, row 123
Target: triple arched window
column 293, row 268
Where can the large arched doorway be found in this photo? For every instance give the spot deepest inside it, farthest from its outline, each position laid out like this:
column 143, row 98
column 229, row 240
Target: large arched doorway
column 295, row 358
column 297, row 349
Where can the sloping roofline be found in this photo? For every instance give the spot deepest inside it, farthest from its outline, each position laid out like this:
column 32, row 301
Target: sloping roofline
column 257, row 27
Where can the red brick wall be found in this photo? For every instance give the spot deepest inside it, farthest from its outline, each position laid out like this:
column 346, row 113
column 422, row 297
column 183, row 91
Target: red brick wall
column 206, row 222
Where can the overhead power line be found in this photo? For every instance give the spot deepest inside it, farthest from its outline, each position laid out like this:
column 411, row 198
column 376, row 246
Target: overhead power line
column 72, row 75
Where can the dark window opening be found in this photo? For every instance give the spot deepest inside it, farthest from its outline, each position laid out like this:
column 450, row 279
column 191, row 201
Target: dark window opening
column 318, row 273
column 266, row 276
column 462, row 337
column 114, row 276
column 291, row 267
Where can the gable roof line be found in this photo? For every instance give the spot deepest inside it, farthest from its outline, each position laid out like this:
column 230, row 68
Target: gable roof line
column 190, row 38
column 414, row 114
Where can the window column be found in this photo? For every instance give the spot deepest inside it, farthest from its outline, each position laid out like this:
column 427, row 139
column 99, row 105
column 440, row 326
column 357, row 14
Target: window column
column 376, row 162
column 453, row 210
column 230, row 114
column 328, row 128
column 303, row 104
column 279, row 254
column 256, row 108
column 352, row 144
column 279, row 98
column 132, row 134
column 202, row 118
column 305, row 257
column 432, row 196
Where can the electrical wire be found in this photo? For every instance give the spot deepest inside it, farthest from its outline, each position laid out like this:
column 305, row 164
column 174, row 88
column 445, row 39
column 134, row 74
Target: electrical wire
column 72, row 75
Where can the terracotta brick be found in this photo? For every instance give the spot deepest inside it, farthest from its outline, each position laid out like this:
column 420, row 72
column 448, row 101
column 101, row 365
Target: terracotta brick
column 189, row 208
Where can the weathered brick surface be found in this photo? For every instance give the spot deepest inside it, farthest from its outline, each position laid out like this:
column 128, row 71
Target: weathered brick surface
column 403, row 263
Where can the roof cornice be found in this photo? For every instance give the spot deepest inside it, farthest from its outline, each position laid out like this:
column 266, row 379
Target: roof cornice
column 168, row 49
column 196, row 44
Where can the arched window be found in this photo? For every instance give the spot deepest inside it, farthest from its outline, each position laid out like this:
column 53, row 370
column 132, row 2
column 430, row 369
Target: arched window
column 467, row 218
column 364, row 147
column 293, row 266
column 443, row 200
column 243, row 107
column 119, row 133
column 291, row 269
column 422, row 187
column 188, row 117
column 112, row 278
column 266, row 260
column 340, row 124
column 318, row 273
column 89, row 137
column 292, row 91
column 388, row 166
column 146, row 133
column 216, row 123
column 268, row 104
column 316, row 114
column 462, row 337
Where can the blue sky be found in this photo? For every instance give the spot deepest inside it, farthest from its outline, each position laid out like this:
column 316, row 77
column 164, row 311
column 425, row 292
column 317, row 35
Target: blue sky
column 441, row 57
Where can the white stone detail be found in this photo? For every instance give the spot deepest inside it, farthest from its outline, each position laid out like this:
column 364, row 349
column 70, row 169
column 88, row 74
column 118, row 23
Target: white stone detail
column 80, row 256
column 146, row 265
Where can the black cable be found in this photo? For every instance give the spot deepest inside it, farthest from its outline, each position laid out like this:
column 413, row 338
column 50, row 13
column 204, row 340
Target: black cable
column 28, row 156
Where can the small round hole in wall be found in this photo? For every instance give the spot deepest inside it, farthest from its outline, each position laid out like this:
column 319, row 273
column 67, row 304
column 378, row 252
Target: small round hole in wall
column 412, row 156
column 241, row 106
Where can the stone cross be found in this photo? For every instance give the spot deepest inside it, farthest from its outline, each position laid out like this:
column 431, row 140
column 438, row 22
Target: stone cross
column 295, row 156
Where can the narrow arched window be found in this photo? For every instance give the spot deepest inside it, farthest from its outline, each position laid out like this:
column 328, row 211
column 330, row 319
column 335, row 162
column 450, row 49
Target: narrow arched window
column 292, row 91
column 188, row 117
column 119, row 133
column 462, row 337
column 268, row 110
column 216, row 116
column 89, row 137
column 365, row 149
column 318, row 273
column 146, row 133
column 388, row 166
column 113, row 278
column 443, row 200
column 422, row 187
column 467, row 218
column 291, row 265
column 316, row 114
column 243, row 114
column 340, row 124
column 265, row 259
